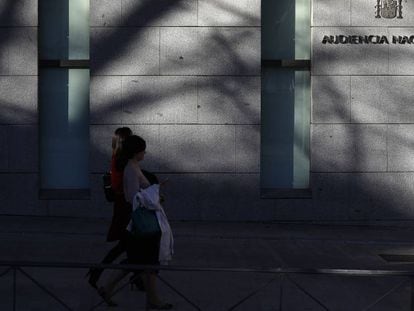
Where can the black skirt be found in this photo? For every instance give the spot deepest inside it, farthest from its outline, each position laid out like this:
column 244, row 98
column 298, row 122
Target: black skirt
column 143, row 250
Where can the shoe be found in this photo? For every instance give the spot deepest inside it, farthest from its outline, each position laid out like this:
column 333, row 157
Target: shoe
column 93, row 278
column 162, row 306
column 136, row 281
column 106, row 297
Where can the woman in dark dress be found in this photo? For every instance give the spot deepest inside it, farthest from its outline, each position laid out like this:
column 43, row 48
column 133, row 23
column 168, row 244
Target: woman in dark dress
column 121, row 210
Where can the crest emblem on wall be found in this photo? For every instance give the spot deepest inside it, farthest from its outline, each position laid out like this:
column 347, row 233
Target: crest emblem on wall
column 389, row 9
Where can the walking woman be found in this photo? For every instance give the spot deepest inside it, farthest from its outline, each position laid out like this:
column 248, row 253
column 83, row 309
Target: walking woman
column 121, row 209
column 143, row 249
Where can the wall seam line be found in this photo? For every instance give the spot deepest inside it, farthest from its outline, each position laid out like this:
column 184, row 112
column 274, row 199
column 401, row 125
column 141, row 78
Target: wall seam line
column 159, row 51
column 197, row 101
column 197, row 7
column 386, row 146
column 122, row 101
column 350, row 99
column 235, row 146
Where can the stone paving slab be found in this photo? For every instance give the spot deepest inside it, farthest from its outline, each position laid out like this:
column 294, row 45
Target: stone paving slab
column 214, row 245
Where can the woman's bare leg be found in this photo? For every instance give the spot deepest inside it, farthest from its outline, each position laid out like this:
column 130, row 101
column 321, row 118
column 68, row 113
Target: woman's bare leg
column 150, row 282
column 153, row 301
column 114, row 279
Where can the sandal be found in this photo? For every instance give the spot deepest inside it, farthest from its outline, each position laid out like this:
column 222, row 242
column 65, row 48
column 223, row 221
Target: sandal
column 136, row 281
column 92, row 278
column 106, row 297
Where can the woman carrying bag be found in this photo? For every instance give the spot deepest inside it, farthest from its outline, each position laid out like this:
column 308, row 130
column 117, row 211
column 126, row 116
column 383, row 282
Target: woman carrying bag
column 149, row 225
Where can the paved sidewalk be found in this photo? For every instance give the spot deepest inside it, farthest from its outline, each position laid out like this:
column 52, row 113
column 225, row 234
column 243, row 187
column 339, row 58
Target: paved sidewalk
column 227, row 245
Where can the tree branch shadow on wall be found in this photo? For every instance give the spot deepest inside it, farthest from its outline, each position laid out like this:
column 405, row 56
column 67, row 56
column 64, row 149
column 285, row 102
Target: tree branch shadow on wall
column 356, row 169
column 146, row 102
column 351, row 195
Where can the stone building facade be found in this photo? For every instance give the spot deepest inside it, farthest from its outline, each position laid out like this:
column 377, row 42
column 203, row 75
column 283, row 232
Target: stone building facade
column 186, row 76
column 363, row 111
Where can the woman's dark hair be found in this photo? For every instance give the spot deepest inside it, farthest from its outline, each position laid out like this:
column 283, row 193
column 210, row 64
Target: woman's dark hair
column 123, row 132
column 131, row 146
column 120, row 134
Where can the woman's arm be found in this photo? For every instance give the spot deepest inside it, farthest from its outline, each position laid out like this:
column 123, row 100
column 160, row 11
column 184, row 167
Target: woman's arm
column 131, row 183
column 144, row 183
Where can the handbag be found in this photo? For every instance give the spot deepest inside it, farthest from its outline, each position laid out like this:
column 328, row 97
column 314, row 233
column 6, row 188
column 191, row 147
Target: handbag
column 107, row 187
column 144, row 222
